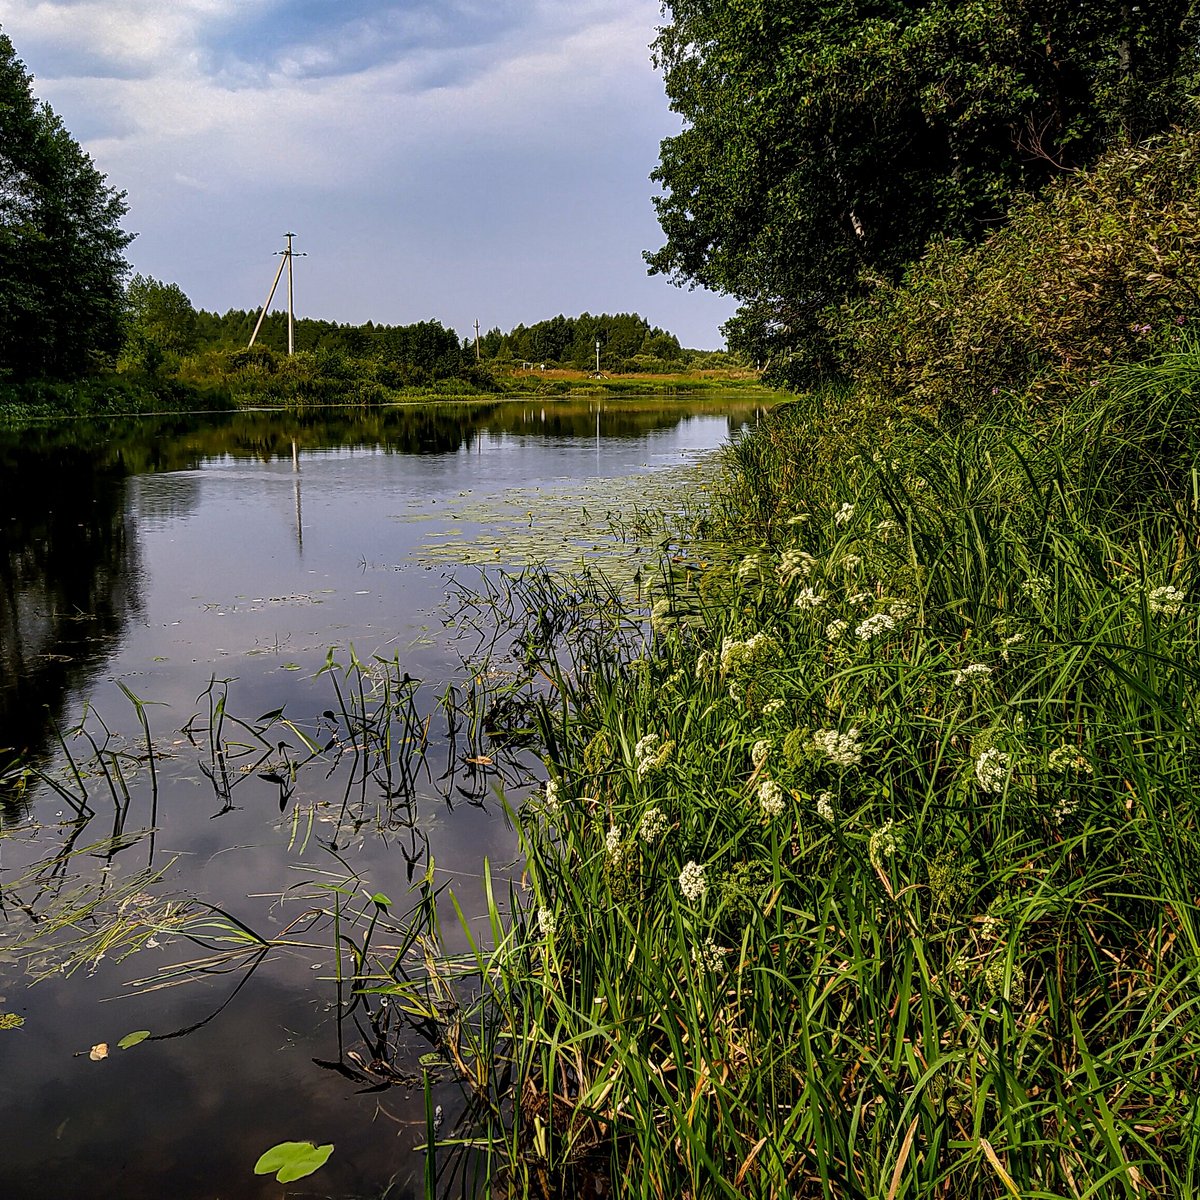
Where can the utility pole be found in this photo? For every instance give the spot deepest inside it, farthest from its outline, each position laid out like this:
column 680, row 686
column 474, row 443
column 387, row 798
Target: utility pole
column 286, row 260
column 477, row 359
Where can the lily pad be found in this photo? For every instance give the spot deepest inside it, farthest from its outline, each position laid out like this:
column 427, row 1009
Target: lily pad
column 293, row 1160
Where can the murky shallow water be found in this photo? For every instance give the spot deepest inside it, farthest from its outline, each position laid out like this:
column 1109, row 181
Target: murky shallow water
column 158, row 556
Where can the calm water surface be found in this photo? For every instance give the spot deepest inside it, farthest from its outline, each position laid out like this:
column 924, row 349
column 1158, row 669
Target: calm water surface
column 195, row 562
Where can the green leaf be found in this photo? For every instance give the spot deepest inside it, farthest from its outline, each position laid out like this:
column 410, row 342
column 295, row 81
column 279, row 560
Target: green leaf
column 293, row 1160
column 382, row 900
column 132, row 1039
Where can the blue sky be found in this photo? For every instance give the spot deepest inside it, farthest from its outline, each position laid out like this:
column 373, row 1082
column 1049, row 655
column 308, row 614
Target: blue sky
column 437, row 158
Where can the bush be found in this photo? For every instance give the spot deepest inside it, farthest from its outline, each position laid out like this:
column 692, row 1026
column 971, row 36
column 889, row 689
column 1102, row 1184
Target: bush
column 1105, row 267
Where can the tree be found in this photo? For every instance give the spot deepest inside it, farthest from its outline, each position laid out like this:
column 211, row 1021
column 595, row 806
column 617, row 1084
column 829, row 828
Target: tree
column 160, row 320
column 61, row 242
column 825, row 144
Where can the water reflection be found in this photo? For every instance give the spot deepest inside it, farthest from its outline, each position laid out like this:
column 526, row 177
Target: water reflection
column 69, row 583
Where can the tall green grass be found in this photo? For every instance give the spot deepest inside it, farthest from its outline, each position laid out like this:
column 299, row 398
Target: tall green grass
column 869, row 866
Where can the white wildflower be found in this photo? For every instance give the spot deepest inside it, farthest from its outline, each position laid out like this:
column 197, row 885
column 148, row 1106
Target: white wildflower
column 772, row 799
column 612, row 845
column 1036, row 587
column 650, row 753
column 709, row 956
column 808, row 598
column 772, row 707
column 850, row 562
column 552, row 801
column 653, row 826
column 885, row 842
column 825, row 806
column 976, row 673
column 874, row 626
column 795, row 563
column 900, row 610
column 750, row 568
column 835, row 629
column 860, row 598
column 842, row 749
column 991, row 770
column 1064, row 808
column 885, row 527
column 1066, row 759
column 760, row 751
column 843, row 514
column 760, row 650
column 546, row 923
column 1165, row 601
column 1014, row 639
column 692, row 882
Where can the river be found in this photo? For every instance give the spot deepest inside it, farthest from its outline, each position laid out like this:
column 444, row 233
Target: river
column 183, row 787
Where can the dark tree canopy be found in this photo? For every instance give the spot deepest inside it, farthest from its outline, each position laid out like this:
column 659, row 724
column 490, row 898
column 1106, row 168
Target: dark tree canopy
column 826, row 143
column 61, row 242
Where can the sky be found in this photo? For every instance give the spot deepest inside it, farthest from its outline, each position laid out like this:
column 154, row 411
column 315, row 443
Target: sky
column 437, row 159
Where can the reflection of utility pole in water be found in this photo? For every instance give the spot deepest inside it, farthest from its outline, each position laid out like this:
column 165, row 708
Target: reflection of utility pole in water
column 286, row 260
column 296, row 489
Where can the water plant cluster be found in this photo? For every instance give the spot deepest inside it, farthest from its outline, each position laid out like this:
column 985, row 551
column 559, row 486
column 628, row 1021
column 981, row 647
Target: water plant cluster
column 867, row 865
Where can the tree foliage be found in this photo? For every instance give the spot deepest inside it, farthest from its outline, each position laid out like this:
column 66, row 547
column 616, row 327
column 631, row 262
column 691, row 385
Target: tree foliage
column 61, row 242
column 825, row 144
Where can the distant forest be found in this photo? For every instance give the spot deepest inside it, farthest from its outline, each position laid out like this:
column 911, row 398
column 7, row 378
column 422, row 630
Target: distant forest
column 628, row 342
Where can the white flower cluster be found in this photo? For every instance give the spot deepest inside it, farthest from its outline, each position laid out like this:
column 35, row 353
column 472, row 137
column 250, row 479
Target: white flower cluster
column 885, row 527
column 760, row 752
column 650, row 753
column 976, row 673
column 760, row 650
column 692, row 882
column 1165, row 601
column 874, row 626
column 1036, row 587
column 850, row 562
column 772, row 799
column 551, row 799
column 842, row 749
column 860, row 598
column 795, row 563
column 808, row 598
column 825, row 806
column 546, row 923
column 750, row 568
column 1066, row 759
column 613, row 848
column 835, row 629
column 885, row 842
column 653, row 826
column 772, row 707
column 843, row 514
column 900, row 610
column 991, row 770
column 709, row 956
column 1013, row 639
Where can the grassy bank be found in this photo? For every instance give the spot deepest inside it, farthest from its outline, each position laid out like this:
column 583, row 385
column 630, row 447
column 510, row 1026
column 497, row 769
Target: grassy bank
column 869, row 867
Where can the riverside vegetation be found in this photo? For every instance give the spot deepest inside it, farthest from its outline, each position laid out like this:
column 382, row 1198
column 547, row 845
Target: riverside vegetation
column 867, row 866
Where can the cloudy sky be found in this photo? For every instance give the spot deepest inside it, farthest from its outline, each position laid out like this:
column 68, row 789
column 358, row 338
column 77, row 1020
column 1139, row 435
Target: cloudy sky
column 436, row 158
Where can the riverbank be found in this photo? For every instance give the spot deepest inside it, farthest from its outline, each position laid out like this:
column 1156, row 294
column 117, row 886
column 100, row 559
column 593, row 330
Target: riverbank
column 869, row 867
column 118, row 394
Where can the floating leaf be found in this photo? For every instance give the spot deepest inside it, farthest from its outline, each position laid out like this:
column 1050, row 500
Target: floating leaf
column 11, row 1021
column 132, row 1039
column 293, row 1160
column 98, row 1051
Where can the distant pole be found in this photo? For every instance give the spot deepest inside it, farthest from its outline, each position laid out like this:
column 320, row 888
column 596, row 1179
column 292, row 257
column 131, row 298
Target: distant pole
column 597, row 356
column 285, row 261
column 291, row 297
column 477, row 359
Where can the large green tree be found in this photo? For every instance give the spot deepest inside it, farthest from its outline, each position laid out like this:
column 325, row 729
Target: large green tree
column 61, row 242
column 826, row 141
